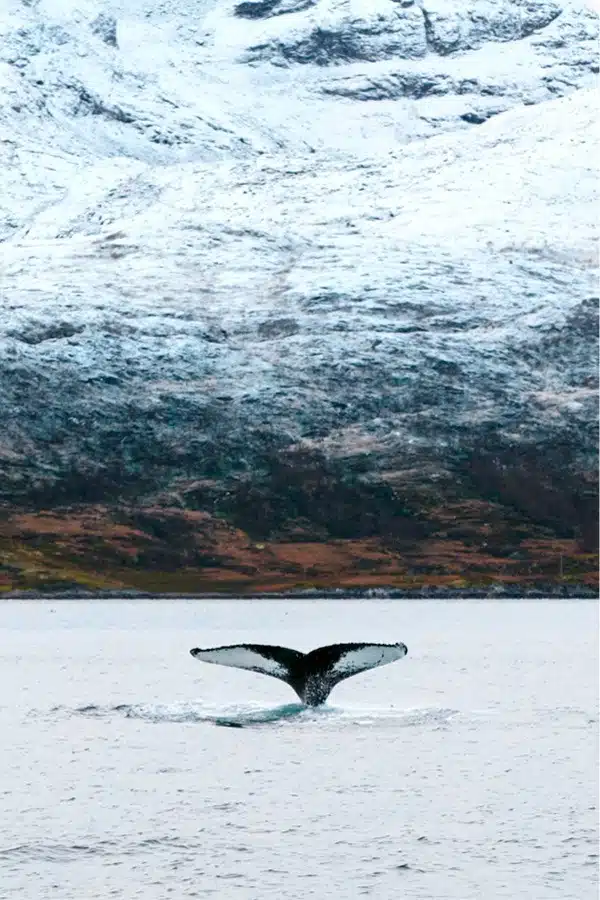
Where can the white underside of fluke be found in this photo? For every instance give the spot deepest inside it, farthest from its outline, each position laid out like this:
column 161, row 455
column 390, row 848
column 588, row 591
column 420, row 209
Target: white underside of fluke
column 367, row 657
column 242, row 658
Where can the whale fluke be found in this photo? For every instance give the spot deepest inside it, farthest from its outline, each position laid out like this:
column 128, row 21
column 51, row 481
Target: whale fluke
column 312, row 675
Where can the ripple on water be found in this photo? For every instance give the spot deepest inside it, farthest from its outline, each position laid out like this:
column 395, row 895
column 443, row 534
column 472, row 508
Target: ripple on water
column 57, row 851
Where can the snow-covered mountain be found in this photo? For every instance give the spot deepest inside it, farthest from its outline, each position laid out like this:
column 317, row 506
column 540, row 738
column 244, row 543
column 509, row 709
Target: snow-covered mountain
column 360, row 231
column 204, row 81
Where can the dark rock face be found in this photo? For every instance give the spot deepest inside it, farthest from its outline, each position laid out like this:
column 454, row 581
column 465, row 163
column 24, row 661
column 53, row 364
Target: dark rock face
column 254, row 346
column 264, row 9
column 400, row 34
column 389, row 29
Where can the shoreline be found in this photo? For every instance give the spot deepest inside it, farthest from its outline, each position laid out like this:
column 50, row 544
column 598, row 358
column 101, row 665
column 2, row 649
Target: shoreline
column 495, row 592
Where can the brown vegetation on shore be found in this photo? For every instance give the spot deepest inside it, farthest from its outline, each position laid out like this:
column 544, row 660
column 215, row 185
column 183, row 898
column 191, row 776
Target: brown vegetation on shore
column 177, row 550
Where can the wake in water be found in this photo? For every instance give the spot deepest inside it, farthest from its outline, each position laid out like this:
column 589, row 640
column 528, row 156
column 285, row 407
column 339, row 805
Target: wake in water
column 254, row 715
column 238, row 716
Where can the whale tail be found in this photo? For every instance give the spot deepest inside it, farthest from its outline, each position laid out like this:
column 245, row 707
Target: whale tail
column 312, row 675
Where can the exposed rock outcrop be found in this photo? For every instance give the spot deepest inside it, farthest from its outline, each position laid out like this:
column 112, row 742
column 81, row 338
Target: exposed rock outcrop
column 105, row 27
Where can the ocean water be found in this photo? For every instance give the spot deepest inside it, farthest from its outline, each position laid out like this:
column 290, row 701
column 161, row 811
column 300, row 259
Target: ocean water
column 466, row 771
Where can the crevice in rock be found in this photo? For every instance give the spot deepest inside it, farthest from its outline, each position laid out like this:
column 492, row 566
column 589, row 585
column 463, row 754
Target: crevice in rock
column 432, row 41
column 88, row 104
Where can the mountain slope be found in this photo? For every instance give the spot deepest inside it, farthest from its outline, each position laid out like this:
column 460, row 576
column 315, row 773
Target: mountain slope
column 314, row 272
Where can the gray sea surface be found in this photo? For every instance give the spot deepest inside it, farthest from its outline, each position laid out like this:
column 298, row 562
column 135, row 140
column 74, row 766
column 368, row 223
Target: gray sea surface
column 466, row 771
